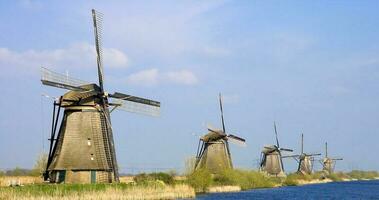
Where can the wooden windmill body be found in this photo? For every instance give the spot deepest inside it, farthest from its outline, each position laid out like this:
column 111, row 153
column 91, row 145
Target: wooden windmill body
column 328, row 163
column 213, row 151
column 271, row 158
column 305, row 160
column 82, row 146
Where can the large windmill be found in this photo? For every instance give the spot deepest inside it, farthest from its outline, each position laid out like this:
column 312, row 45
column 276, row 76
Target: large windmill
column 82, row 147
column 271, row 158
column 213, row 150
column 328, row 163
column 305, row 160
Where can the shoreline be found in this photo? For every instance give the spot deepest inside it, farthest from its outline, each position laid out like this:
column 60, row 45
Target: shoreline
column 235, row 188
column 30, row 188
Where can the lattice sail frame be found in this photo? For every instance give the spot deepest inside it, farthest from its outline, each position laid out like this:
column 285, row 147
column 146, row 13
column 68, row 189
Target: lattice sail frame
column 52, row 78
column 138, row 108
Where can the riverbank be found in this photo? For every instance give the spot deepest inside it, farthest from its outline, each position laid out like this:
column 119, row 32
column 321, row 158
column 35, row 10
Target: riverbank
column 165, row 186
column 97, row 191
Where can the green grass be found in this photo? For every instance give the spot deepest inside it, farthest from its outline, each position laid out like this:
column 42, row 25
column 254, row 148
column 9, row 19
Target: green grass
column 97, row 191
column 246, row 179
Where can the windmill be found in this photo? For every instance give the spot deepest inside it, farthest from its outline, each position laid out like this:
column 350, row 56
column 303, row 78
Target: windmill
column 305, row 160
column 328, row 163
column 271, row 158
column 213, row 151
column 82, row 147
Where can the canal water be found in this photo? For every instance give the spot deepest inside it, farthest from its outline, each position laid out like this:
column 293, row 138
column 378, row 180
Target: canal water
column 336, row 190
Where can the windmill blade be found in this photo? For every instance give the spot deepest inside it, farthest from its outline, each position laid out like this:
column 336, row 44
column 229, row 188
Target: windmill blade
column 276, row 135
column 54, row 79
column 222, row 113
column 284, row 149
column 138, row 108
column 237, row 140
column 135, row 99
column 302, row 143
column 290, row 156
column 314, row 154
column 98, row 32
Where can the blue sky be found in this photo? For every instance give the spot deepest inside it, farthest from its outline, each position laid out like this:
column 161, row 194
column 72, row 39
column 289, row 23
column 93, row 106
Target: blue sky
column 311, row 66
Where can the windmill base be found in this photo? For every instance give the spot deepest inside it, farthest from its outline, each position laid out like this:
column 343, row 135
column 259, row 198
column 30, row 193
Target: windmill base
column 80, row 176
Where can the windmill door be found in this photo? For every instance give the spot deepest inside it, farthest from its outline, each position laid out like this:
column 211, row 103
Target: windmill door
column 61, row 176
column 93, row 176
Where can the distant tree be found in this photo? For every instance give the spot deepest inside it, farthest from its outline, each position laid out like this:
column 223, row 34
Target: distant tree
column 40, row 165
column 17, row 172
column 2, row 173
column 189, row 165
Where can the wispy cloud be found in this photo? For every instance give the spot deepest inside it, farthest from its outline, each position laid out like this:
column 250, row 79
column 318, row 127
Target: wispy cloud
column 165, row 31
column 78, row 55
column 147, row 77
column 153, row 77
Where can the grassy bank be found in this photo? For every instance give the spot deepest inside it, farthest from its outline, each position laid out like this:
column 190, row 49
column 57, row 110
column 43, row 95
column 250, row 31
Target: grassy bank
column 165, row 185
column 98, row 191
column 202, row 180
column 319, row 177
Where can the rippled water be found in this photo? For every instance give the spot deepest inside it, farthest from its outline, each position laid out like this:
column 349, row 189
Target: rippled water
column 337, row 190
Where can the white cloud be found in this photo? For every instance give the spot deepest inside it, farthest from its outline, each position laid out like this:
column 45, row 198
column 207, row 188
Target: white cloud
column 146, row 77
column 75, row 56
column 152, row 77
column 185, row 77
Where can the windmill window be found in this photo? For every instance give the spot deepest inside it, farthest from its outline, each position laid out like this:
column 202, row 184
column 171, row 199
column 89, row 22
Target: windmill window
column 89, row 142
column 92, row 158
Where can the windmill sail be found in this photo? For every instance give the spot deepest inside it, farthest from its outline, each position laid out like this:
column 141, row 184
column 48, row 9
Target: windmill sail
column 54, row 79
column 98, row 31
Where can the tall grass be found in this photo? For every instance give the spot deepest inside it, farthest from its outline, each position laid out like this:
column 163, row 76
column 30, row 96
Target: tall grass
column 97, row 191
column 202, row 179
column 246, row 179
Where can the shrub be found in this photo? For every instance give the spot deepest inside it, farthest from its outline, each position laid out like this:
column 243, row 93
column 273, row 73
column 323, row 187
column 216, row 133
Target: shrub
column 317, row 175
column 292, row 180
column 200, row 180
column 357, row 174
column 246, row 179
column 160, row 176
column 40, row 165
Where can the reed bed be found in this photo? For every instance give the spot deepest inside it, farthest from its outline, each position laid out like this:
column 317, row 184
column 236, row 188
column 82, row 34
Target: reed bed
column 20, row 180
column 97, row 191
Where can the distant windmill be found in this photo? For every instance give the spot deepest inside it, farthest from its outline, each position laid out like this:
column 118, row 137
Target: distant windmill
column 328, row 163
column 271, row 158
column 213, row 150
column 82, row 147
column 305, row 160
